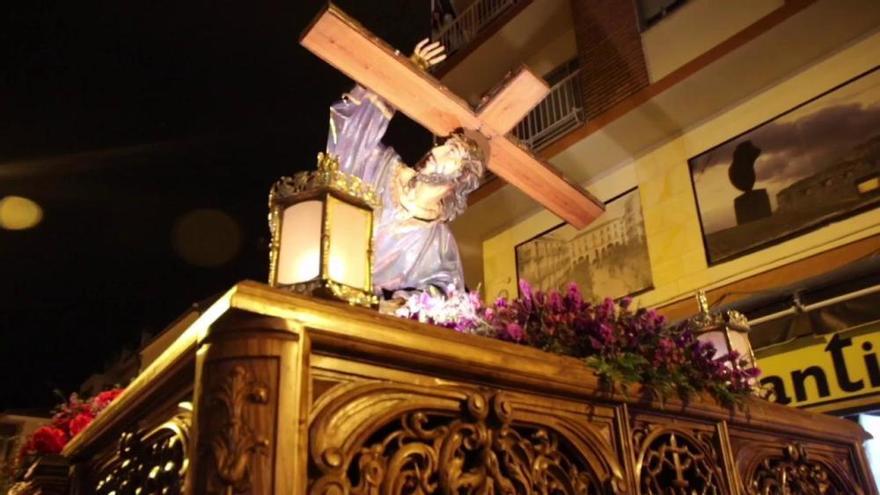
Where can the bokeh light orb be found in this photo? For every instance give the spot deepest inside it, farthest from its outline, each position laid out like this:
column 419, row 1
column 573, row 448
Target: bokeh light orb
column 206, row 237
column 18, row 213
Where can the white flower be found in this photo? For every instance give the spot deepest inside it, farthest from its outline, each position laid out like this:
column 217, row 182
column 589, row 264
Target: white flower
column 456, row 309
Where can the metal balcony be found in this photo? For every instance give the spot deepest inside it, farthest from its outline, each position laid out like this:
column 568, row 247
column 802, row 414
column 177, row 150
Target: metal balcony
column 560, row 112
column 470, row 22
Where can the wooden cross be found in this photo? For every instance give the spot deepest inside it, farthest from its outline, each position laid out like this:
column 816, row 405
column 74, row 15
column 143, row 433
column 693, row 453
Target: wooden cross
column 347, row 46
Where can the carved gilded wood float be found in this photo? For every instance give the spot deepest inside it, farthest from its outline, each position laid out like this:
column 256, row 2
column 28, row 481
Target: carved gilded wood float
column 271, row 392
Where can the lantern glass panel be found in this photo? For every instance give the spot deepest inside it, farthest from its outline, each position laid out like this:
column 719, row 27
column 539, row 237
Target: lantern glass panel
column 350, row 228
column 739, row 341
column 299, row 256
column 717, row 339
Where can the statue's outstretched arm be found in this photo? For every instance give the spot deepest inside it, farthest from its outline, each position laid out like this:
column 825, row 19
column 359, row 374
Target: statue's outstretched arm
column 357, row 123
column 359, row 120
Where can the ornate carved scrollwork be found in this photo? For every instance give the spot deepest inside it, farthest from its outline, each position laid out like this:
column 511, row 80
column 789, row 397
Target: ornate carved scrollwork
column 236, row 441
column 674, row 462
column 460, row 443
column 154, row 461
column 793, row 472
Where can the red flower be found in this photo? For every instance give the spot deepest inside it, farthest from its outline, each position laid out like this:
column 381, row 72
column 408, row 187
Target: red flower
column 79, row 423
column 102, row 400
column 47, row 440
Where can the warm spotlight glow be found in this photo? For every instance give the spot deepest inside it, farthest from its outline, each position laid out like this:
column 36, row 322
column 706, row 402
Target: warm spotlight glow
column 17, row 213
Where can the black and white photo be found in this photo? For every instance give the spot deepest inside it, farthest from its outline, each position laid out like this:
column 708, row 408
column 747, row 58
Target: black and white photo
column 608, row 258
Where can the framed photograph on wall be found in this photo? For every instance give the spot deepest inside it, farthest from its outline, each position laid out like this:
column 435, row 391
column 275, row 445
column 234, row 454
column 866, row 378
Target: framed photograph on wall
column 814, row 164
column 609, row 258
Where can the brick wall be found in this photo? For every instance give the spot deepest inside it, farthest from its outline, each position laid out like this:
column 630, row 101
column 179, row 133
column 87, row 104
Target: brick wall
column 610, row 51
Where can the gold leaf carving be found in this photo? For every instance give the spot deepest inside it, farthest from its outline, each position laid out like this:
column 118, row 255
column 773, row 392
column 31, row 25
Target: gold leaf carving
column 794, row 472
column 153, row 461
column 327, row 176
column 674, row 462
column 235, row 441
column 395, row 439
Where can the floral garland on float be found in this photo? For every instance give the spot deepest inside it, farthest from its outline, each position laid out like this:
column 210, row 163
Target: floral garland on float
column 622, row 344
column 69, row 419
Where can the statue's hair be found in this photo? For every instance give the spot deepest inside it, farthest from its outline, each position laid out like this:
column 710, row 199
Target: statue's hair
column 473, row 160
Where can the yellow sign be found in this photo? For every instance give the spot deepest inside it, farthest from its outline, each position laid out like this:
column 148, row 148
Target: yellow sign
column 826, row 372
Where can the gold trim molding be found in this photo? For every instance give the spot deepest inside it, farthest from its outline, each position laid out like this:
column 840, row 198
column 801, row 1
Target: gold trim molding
column 327, row 176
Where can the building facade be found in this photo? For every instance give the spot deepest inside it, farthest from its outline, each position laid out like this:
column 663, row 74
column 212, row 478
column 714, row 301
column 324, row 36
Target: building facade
column 655, row 84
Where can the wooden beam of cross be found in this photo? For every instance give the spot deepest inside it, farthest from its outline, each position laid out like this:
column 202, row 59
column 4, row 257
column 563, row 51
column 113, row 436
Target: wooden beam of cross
column 346, row 45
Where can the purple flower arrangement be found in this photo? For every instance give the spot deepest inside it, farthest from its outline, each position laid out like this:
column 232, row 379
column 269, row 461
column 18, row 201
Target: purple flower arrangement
column 623, row 345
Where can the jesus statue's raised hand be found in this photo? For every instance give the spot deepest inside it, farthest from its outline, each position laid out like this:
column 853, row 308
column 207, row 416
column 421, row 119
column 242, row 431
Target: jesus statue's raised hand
column 427, row 54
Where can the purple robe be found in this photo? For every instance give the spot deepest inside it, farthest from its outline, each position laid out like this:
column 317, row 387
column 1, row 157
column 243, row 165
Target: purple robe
column 408, row 253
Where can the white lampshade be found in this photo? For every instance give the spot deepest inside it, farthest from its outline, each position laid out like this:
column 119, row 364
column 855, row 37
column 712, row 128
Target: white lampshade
column 350, row 229
column 299, row 256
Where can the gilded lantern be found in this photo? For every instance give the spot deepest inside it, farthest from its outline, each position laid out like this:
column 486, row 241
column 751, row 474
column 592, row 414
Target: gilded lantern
column 322, row 234
column 727, row 330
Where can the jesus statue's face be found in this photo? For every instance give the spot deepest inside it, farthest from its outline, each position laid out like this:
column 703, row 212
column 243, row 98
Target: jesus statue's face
column 444, row 160
column 433, row 180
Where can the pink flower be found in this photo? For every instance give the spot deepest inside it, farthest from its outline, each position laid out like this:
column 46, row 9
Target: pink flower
column 565, row 323
column 555, row 301
column 513, row 332
column 525, row 288
column 574, row 297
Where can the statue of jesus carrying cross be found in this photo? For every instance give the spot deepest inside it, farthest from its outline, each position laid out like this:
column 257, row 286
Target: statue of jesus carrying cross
column 414, row 248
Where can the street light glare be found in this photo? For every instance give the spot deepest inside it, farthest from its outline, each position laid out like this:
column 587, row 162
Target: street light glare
column 18, row 213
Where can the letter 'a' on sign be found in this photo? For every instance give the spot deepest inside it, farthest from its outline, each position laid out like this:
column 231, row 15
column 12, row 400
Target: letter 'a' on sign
column 346, row 45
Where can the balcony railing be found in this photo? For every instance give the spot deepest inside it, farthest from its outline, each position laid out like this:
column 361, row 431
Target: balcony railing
column 470, row 22
column 561, row 111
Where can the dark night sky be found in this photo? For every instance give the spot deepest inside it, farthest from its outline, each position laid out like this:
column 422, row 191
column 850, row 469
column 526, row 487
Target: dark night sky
column 118, row 118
